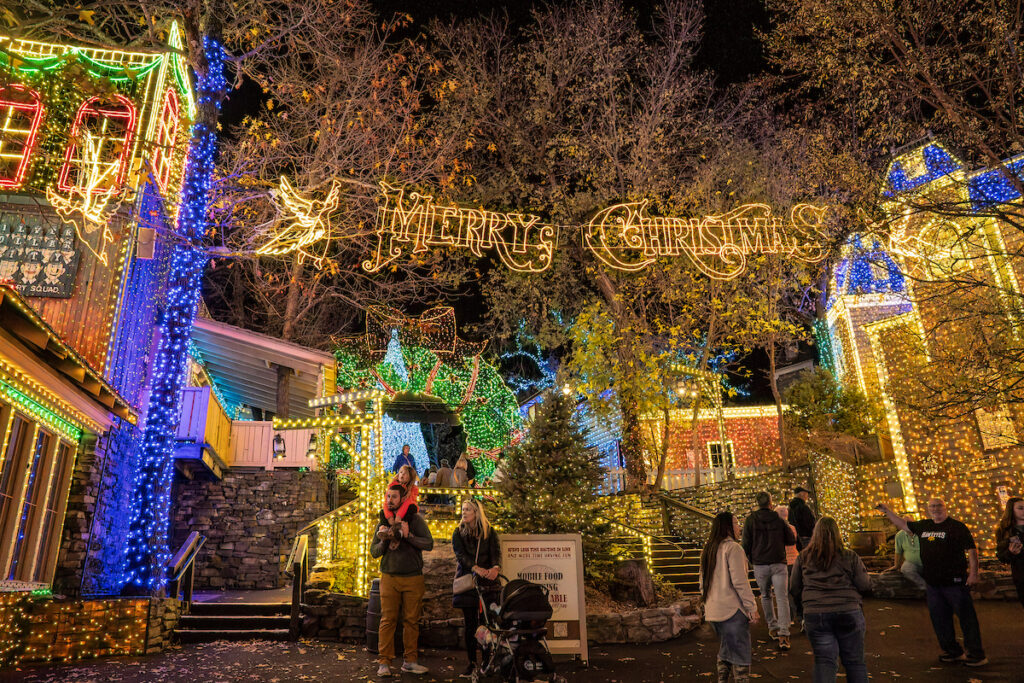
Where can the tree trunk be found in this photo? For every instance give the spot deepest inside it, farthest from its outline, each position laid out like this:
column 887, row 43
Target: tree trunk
column 705, row 354
column 632, row 436
column 632, row 446
column 147, row 550
column 663, row 451
column 284, row 390
column 783, row 453
column 291, row 306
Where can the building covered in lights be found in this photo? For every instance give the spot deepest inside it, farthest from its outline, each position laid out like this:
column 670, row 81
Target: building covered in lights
column 919, row 310
column 93, row 147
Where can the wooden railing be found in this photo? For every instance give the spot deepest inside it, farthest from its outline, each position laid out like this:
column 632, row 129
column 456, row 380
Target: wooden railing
column 615, row 479
column 252, row 445
column 682, row 519
column 299, row 562
column 181, row 569
column 203, row 421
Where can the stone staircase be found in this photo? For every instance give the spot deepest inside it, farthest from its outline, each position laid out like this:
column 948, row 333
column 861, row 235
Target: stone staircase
column 208, row 621
column 679, row 567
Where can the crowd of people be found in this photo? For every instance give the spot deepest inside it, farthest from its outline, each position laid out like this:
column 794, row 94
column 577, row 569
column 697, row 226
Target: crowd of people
column 808, row 578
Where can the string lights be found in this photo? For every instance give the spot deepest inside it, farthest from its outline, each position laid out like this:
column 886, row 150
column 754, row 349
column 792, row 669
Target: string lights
column 306, row 222
column 523, row 242
column 434, row 362
column 37, row 630
column 21, row 112
column 147, row 541
column 877, row 324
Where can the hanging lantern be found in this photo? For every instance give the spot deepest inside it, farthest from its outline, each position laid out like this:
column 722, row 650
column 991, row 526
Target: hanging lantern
column 279, row 450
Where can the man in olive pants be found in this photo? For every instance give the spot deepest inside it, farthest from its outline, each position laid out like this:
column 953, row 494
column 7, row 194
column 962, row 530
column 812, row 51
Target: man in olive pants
column 401, row 582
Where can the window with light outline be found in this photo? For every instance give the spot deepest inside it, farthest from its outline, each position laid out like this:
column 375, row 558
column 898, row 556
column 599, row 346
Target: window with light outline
column 718, row 460
column 21, row 113
column 36, row 464
column 166, row 135
column 114, row 124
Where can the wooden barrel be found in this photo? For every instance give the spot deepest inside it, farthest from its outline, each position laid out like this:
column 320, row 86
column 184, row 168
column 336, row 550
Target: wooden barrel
column 373, row 622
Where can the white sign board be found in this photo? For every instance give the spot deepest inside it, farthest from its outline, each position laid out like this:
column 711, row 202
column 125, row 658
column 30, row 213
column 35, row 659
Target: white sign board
column 556, row 562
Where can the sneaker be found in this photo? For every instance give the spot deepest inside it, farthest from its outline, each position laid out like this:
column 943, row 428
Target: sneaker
column 975, row 661
column 468, row 673
column 784, row 643
column 949, row 657
column 414, row 668
column 384, row 671
column 773, row 633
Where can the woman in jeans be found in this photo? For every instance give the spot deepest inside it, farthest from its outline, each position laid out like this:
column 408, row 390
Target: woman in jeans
column 476, row 549
column 828, row 580
column 729, row 604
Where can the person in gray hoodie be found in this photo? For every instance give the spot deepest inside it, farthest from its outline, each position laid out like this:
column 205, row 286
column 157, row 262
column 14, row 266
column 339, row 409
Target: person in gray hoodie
column 401, row 582
column 828, row 581
column 765, row 537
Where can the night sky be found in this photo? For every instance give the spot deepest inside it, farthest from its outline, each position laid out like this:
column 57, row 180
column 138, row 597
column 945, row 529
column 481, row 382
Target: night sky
column 730, row 50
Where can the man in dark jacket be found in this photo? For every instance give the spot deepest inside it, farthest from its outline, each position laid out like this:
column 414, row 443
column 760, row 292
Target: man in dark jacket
column 401, row 582
column 801, row 517
column 765, row 537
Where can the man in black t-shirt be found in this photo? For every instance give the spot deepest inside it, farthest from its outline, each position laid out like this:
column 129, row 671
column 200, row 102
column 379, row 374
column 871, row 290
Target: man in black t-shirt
column 950, row 561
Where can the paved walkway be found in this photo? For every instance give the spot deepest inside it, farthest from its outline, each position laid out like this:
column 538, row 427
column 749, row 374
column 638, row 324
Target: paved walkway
column 900, row 647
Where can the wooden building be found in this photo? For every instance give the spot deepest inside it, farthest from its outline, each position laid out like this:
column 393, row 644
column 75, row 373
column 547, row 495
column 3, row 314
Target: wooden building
column 93, row 144
column 930, row 349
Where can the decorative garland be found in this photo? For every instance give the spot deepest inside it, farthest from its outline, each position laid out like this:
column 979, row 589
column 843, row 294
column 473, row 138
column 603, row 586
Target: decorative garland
column 469, row 385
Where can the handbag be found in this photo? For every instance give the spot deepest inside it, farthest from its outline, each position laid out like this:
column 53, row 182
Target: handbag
column 464, row 584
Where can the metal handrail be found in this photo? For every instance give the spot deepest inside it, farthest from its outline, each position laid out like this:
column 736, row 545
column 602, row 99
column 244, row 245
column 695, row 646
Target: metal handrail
column 640, row 532
column 181, row 568
column 300, row 572
column 325, row 516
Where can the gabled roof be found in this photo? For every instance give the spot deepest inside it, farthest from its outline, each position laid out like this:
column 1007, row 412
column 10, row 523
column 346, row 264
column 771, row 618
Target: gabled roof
column 243, row 364
column 917, row 167
column 866, row 269
column 20, row 320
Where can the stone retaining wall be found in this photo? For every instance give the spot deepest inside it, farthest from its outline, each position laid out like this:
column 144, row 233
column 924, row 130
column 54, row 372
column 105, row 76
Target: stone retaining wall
column 35, row 628
column 250, row 520
column 993, row 585
column 652, row 625
column 332, row 616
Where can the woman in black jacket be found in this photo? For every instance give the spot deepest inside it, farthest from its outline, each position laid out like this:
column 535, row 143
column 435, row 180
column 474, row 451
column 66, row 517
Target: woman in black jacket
column 1010, row 542
column 476, row 548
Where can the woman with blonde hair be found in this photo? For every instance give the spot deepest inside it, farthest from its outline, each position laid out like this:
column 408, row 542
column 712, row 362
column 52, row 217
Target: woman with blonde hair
column 828, row 580
column 477, row 551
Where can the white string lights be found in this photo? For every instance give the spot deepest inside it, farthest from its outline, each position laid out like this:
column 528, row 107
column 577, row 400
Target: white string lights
column 622, row 236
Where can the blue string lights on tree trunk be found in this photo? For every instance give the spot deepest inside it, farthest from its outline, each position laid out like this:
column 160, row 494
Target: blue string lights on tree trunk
column 147, row 541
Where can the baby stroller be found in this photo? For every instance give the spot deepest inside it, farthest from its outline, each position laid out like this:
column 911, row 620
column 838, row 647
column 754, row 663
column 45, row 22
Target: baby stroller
column 512, row 635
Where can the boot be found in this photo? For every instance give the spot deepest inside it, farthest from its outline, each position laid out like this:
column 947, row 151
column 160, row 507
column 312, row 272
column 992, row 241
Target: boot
column 741, row 673
column 724, row 671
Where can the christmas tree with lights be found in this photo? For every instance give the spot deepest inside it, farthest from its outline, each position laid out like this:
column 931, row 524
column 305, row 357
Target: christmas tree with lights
column 550, row 482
